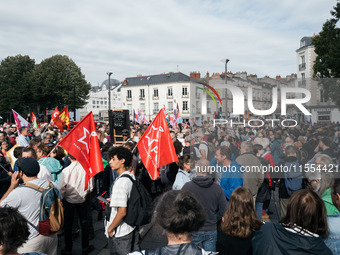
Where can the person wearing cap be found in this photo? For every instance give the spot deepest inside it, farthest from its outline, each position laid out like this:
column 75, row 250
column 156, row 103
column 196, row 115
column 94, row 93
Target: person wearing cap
column 27, row 201
column 126, row 136
column 13, row 130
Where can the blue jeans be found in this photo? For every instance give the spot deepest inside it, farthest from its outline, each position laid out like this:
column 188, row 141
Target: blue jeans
column 205, row 238
column 259, row 207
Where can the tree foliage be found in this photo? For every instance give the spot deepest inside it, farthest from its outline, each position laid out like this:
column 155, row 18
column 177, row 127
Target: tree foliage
column 14, row 85
column 327, row 63
column 327, row 47
column 27, row 87
column 54, row 80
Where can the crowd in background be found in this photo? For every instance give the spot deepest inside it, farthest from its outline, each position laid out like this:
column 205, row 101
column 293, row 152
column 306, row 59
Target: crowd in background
column 220, row 211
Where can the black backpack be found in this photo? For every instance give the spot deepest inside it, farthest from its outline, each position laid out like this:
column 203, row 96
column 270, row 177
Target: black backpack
column 139, row 206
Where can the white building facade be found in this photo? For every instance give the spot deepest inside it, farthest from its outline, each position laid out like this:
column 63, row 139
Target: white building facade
column 149, row 94
column 322, row 110
column 98, row 101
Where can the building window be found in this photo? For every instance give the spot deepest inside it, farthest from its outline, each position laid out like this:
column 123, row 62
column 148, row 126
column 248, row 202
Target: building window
column 155, row 93
column 185, row 105
column 155, row 108
column 101, row 102
column 129, row 94
column 141, row 93
column 129, row 106
column 98, row 103
column 170, row 91
column 303, row 59
column 105, row 102
column 322, row 96
column 184, row 91
column 93, row 102
column 170, row 106
column 142, row 107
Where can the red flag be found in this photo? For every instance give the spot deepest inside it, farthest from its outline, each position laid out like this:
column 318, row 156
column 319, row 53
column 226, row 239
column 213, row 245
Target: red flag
column 155, row 147
column 55, row 114
column 65, row 117
column 62, row 118
column 82, row 143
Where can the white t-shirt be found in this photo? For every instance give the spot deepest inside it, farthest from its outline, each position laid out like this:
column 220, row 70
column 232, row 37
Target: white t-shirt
column 27, row 200
column 121, row 191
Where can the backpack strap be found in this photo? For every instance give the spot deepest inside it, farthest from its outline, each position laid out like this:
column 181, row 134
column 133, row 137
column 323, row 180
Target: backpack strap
column 128, row 176
column 33, row 186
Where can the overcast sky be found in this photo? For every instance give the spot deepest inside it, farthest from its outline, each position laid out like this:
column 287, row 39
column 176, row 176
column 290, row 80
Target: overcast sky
column 156, row 36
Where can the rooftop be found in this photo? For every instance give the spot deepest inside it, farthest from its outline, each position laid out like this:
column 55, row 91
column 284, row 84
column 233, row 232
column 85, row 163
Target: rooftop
column 156, row 79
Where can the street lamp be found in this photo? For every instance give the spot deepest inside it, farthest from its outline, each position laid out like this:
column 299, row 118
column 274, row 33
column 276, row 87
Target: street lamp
column 226, row 94
column 226, row 63
column 74, row 102
column 109, row 110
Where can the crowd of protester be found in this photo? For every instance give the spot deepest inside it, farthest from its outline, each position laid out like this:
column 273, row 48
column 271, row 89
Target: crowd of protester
column 215, row 198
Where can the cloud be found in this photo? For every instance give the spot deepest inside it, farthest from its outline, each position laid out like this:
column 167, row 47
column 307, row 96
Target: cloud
column 150, row 37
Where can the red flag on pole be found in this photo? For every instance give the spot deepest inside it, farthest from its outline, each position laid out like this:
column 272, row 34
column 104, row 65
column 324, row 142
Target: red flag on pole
column 155, row 147
column 82, row 143
column 62, row 118
column 54, row 115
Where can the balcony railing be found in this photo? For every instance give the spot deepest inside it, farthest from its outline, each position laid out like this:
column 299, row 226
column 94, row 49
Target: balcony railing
column 155, row 97
column 128, row 98
column 185, row 96
column 302, row 66
column 169, row 96
column 141, row 98
column 302, row 83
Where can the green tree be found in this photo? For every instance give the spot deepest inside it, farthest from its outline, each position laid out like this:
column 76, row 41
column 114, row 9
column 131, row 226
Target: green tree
column 327, row 63
column 14, row 83
column 53, row 82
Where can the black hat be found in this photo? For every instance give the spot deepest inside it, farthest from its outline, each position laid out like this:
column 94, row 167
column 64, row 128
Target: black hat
column 29, row 166
column 125, row 132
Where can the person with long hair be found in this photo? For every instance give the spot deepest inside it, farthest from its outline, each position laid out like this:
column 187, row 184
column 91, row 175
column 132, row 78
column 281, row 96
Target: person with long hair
column 178, row 213
column 299, row 232
column 239, row 224
column 13, row 231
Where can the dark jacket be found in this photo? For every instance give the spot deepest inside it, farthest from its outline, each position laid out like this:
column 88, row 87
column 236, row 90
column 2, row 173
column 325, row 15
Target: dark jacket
column 211, row 197
column 230, row 245
column 273, row 238
column 177, row 249
column 264, row 191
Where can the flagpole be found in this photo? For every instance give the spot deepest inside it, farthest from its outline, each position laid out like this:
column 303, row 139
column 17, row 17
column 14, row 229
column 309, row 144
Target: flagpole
column 134, row 148
column 68, row 134
column 50, row 153
column 3, row 168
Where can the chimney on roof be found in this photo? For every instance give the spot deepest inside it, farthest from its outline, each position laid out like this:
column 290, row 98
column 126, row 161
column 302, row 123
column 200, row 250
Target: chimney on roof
column 215, row 76
column 208, row 78
column 195, row 75
column 252, row 77
column 278, row 77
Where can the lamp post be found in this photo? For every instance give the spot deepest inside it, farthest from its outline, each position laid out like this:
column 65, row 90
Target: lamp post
column 109, row 110
column 74, row 102
column 226, row 94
